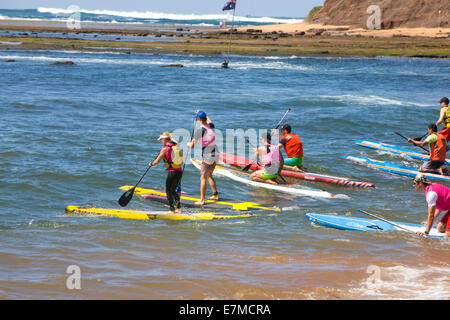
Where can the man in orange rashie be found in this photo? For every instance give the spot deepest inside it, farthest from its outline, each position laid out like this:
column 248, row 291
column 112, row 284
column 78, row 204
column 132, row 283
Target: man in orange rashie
column 293, row 147
column 438, row 148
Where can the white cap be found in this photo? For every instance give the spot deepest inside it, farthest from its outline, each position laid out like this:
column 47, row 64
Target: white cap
column 421, row 178
column 163, row 137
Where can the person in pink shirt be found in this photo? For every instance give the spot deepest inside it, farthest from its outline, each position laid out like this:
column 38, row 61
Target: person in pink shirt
column 438, row 200
column 207, row 137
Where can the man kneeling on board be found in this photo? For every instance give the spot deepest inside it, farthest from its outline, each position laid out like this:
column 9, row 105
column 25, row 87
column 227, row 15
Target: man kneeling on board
column 272, row 160
column 438, row 148
column 438, row 200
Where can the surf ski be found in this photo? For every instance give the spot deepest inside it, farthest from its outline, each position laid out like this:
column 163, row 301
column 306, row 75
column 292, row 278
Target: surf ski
column 362, row 224
column 244, row 177
column 242, row 162
column 188, row 201
column 394, row 168
column 395, row 150
column 149, row 215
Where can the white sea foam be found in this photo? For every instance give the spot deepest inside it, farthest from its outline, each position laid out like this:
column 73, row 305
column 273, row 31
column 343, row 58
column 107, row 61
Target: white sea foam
column 373, row 100
column 11, row 43
column 207, row 63
column 404, row 282
column 89, row 60
column 170, row 16
column 342, row 196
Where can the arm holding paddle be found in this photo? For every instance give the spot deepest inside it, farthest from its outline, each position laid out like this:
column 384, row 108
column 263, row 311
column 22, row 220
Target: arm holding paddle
column 275, row 133
column 158, row 159
column 408, row 139
column 417, row 143
column 194, row 135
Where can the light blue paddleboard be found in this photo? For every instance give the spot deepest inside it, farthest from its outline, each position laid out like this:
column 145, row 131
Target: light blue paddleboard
column 394, row 168
column 395, row 150
column 361, row 224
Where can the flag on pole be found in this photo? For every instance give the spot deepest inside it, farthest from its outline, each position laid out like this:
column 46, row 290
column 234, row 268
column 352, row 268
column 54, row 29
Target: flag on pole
column 230, row 5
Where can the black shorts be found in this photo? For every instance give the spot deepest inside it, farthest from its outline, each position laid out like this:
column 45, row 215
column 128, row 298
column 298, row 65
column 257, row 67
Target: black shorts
column 431, row 165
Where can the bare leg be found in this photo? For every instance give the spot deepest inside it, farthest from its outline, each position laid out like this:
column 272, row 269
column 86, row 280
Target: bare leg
column 212, row 184
column 202, row 190
column 255, row 177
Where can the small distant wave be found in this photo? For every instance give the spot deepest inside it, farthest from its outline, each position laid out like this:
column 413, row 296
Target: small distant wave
column 171, row 16
column 372, row 100
column 207, row 63
column 342, row 196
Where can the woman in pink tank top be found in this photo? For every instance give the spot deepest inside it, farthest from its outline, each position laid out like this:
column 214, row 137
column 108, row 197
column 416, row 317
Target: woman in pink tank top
column 207, row 137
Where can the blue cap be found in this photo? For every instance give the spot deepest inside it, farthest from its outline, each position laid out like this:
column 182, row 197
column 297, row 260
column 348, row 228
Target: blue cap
column 200, row 115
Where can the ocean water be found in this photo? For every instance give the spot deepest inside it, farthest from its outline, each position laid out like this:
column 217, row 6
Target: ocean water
column 137, row 17
column 72, row 135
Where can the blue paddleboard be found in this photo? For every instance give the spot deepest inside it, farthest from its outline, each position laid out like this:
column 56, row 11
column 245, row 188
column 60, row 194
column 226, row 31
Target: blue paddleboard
column 395, row 150
column 362, row 224
column 394, row 168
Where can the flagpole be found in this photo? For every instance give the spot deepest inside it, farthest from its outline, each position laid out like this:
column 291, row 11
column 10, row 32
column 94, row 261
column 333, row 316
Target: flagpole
column 225, row 63
column 231, row 32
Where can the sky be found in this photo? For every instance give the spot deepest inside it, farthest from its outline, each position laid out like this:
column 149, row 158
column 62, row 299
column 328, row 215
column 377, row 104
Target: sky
column 272, row 8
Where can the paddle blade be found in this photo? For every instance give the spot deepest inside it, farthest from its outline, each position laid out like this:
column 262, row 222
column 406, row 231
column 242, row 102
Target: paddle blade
column 247, row 167
column 126, row 197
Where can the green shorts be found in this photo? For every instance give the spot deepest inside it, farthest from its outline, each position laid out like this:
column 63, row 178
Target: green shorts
column 266, row 176
column 294, row 162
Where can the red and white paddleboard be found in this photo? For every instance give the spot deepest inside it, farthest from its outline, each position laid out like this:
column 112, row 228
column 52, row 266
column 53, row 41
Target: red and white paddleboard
column 242, row 162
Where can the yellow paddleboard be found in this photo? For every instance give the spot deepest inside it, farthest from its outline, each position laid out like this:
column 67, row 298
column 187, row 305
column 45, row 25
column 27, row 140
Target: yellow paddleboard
column 149, row 215
column 189, row 201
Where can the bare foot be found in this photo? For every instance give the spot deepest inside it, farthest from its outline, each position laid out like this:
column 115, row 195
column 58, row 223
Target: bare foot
column 200, row 203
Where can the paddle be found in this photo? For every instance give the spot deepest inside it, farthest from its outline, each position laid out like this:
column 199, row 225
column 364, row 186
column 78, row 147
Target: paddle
column 285, row 114
column 413, row 143
column 380, row 218
column 420, row 138
column 127, row 195
column 246, row 168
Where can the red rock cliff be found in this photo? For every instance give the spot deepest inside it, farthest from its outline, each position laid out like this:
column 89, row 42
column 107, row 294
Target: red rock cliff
column 392, row 13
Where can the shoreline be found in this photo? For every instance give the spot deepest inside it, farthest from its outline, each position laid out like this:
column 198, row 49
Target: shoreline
column 297, row 39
